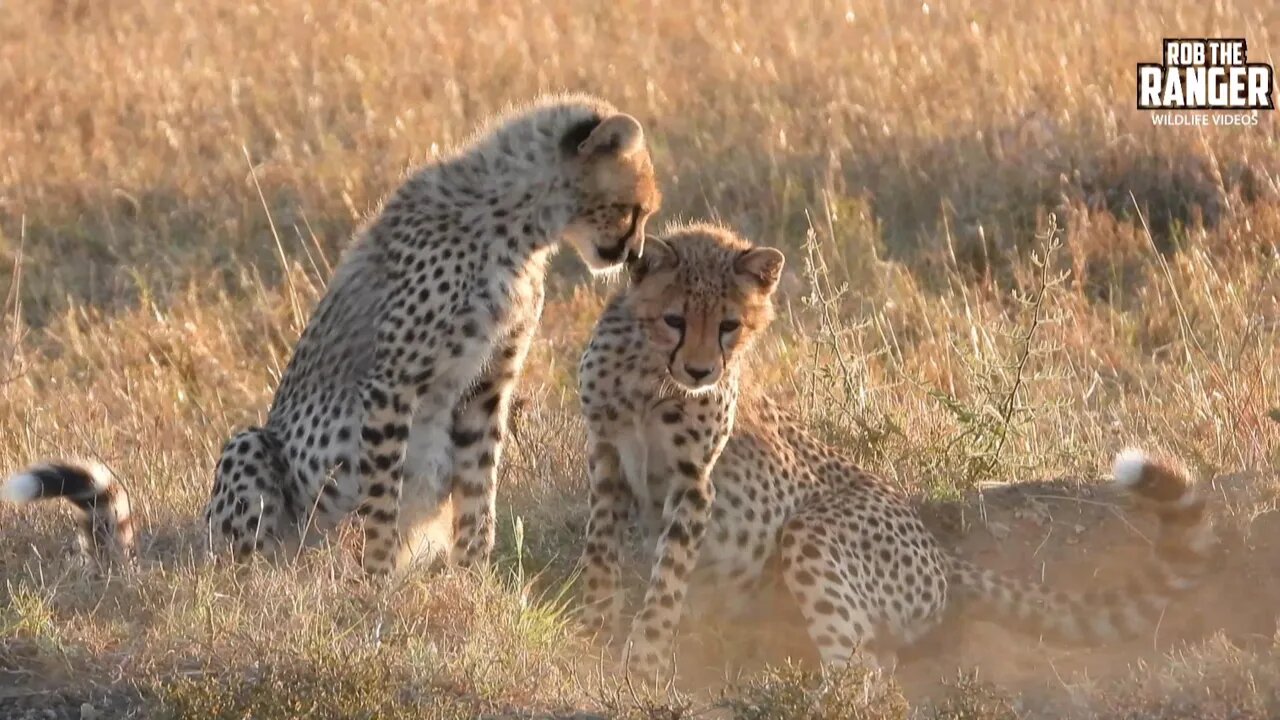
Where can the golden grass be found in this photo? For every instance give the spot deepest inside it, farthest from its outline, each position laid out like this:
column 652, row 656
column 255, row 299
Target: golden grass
column 908, row 157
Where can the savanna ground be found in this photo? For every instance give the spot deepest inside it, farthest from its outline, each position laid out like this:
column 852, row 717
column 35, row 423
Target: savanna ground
column 177, row 180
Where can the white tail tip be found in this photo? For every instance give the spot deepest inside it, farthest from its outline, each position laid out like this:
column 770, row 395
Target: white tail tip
column 1128, row 467
column 20, row 488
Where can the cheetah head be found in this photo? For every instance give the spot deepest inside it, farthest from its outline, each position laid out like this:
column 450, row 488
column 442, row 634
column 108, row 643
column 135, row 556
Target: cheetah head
column 611, row 176
column 703, row 295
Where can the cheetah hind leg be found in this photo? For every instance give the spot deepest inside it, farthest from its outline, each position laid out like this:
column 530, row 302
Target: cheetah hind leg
column 828, row 584
column 429, row 529
column 246, row 510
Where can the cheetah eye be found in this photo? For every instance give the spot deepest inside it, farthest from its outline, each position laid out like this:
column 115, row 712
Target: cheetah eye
column 729, row 326
column 674, row 321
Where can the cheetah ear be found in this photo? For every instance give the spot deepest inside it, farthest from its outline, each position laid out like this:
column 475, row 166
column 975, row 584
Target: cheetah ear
column 760, row 267
column 619, row 135
column 658, row 255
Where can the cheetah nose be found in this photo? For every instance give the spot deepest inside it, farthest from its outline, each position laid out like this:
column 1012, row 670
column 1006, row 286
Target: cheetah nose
column 697, row 373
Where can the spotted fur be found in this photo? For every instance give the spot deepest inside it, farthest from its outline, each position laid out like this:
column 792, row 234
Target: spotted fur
column 104, row 527
column 397, row 394
column 724, row 480
column 398, row 391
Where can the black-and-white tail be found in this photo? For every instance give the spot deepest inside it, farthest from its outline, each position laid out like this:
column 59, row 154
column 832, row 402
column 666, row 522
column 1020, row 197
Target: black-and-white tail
column 1182, row 554
column 105, row 525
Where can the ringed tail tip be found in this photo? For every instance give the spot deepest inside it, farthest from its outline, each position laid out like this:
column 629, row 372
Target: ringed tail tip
column 20, row 488
column 1129, row 466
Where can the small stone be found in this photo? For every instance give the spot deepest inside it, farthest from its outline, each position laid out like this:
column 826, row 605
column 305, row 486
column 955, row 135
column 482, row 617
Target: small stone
column 88, row 712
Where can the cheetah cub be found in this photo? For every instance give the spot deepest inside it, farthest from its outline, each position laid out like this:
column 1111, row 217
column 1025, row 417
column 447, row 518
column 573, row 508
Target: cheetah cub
column 397, row 393
column 725, row 480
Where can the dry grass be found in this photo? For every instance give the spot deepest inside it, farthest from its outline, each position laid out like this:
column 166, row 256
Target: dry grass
column 907, row 156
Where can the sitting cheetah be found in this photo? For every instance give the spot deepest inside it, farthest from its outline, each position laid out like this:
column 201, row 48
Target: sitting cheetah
column 724, row 481
column 397, row 394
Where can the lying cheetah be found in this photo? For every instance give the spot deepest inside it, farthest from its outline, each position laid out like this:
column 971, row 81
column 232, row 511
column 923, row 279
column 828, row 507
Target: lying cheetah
column 725, row 481
column 397, row 394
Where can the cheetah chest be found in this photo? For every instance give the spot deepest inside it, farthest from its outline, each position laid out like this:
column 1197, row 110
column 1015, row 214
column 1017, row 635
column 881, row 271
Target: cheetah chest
column 647, row 461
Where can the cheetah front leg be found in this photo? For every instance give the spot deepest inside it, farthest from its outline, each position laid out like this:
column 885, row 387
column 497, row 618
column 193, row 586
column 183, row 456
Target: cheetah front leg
column 388, row 410
column 477, row 435
column 601, row 558
column 692, row 452
column 402, row 390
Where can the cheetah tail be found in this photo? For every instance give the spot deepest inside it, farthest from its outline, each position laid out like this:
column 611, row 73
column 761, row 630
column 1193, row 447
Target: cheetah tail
column 105, row 523
column 1182, row 553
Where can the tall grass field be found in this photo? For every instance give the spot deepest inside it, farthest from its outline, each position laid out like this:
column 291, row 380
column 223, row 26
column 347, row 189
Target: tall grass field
column 999, row 273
